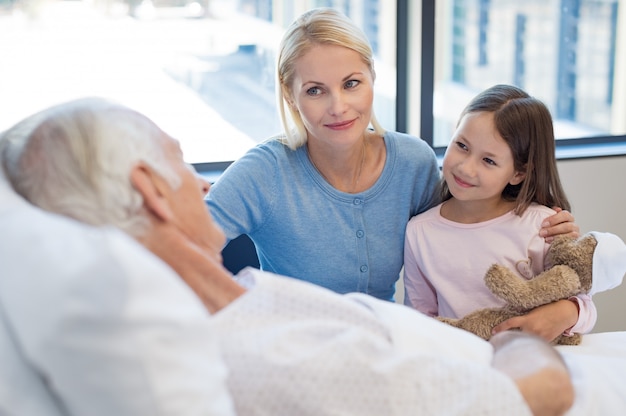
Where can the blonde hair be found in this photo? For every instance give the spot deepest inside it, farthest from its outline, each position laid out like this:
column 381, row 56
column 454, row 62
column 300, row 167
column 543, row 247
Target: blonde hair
column 321, row 26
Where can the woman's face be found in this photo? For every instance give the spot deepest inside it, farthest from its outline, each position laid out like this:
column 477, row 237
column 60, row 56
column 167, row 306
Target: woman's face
column 333, row 90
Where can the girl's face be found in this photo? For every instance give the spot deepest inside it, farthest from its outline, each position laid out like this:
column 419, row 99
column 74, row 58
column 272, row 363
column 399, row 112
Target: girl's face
column 333, row 92
column 478, row 163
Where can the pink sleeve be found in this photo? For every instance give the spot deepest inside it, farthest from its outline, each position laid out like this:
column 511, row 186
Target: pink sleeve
column 587, row 315
column 418, row 293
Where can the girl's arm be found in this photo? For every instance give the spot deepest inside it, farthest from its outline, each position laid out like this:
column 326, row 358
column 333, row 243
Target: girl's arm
column 418, row 293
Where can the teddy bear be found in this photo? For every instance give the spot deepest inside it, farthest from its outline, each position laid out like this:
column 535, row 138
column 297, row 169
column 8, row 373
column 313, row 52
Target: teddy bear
column 570, row 275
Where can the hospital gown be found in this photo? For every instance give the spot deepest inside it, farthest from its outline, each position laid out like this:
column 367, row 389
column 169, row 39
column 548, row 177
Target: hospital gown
column 293, row 348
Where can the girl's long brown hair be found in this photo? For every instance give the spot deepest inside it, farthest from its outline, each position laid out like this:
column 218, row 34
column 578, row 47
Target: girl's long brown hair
column 525, row 123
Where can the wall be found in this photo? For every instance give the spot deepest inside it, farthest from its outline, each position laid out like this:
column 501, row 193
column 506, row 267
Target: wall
column 597, row 191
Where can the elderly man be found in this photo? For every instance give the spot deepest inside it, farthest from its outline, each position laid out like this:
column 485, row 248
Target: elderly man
column 291, row 348
column 91, row 323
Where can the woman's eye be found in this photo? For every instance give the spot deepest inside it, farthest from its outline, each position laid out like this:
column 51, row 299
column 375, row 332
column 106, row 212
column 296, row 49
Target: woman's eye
column 352, row 83
column 490, row 161
column 313, row 91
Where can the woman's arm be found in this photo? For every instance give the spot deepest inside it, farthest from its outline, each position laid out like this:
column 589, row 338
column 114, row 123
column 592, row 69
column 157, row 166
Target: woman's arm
column 560, row 223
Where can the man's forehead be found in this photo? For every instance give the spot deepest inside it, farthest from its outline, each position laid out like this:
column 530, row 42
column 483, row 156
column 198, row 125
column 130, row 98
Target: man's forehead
column 170, row 143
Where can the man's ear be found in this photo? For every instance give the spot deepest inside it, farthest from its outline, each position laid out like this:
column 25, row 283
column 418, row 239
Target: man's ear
column 150, row 186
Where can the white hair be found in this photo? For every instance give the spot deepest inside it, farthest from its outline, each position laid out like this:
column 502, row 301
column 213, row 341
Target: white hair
column 75, row 159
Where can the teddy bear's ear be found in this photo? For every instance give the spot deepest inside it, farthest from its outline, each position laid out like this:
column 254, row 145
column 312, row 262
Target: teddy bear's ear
column 609, row 262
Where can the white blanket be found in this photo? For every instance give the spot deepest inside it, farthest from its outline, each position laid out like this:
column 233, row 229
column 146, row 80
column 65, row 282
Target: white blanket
column 598, row 367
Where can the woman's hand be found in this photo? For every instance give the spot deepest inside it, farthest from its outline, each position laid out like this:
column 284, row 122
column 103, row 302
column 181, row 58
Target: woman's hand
column 561, row 223
column 547, row 321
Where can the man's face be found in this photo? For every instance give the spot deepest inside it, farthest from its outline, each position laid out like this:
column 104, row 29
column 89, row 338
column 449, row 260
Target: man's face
column 190, row 213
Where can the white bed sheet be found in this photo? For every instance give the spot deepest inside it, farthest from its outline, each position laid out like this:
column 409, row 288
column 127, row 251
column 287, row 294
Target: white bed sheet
column 598, row 367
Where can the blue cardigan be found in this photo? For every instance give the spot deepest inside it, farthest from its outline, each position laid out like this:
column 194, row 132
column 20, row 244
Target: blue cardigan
column 304, row 228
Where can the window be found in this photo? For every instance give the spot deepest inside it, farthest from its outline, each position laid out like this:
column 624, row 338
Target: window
column 564, row 52
column 202, row 69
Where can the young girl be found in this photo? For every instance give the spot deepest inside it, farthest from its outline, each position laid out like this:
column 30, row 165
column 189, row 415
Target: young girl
column 499, row 178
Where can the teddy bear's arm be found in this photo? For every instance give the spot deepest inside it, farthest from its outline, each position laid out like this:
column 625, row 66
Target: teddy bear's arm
column 558, row 282
column 480, row 322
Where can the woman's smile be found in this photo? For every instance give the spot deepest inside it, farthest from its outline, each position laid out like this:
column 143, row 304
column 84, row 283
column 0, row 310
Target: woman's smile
column 342, row 125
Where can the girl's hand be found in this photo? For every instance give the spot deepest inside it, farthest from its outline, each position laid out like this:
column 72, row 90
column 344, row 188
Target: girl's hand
column 561, row 223
column 547, row 321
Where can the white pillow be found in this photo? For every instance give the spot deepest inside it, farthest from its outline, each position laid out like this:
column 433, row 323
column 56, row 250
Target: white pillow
column 22, row 391
column 108, row 326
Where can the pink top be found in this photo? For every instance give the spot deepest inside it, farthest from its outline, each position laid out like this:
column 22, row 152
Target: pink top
column 445, row 262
